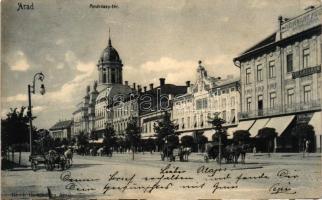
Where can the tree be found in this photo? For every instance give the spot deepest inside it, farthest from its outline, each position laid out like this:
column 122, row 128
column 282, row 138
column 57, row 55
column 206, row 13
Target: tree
column 165, row 129
column 133, row 134
column 109, row 137
column 82, row 139
column 220, row 132
column 303, row 132
column 14, row 131
column 242, row 136
column 187, row 141
column 268, row 134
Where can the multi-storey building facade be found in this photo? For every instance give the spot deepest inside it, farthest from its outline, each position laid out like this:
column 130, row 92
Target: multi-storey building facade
column 153, row 103
column 209, row 95
column 62, row 129
column 281, row 78
column 96, row 109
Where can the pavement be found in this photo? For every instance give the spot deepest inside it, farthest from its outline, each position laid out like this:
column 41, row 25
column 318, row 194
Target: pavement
column 282, row 175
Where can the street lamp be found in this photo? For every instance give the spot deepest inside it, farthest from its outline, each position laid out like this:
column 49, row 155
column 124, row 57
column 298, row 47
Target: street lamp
column 31, row 89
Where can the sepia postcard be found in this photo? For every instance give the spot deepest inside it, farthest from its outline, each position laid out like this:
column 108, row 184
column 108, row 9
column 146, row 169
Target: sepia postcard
column 173, row 99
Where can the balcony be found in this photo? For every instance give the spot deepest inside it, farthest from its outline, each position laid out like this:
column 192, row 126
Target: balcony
column 279, row 110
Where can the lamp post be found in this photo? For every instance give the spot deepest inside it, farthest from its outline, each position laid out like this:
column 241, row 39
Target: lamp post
column 31, row 89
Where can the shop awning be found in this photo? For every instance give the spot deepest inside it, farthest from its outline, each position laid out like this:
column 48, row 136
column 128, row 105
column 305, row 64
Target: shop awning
column 230, row 132
column 280, row 123
column 208, row 134
column 316, row 122
column 148, row 135
column 99, row 141
column 259, row 124
column 184, row 134
column 245, row 125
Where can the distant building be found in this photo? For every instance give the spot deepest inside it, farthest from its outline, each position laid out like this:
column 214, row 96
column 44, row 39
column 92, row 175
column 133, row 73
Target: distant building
column 281, row 80
column 207, row 96
column 92, row 112
column 62, row 129
column 153, row 104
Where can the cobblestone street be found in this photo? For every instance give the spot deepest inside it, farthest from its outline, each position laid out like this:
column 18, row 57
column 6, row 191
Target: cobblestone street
column 303, row 177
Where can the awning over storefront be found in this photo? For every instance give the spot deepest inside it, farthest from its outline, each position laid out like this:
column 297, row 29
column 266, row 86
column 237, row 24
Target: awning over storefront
column 316, row 122
column 184, row 134
column 280, row 123
column 148, row 135
column 208, row 134
column 230, row 132
column 259, row 124
column 99, row 141
column 245, row 125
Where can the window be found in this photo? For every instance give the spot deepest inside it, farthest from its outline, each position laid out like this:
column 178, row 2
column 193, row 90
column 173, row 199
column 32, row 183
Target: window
column 306, row 57
column 205, row 103
column 307, row 93
column 271, row 66
column 201, row 120
column 199, row 104
column 289, row 63
column 249, row 102
column 272, row 99
column 188, row 122
column 290, row 96
column 182, row 123
column 224, row 115
column 223, row 103
column 232, row 101
column 259, row 73
column 248, row 73
column 232, row 116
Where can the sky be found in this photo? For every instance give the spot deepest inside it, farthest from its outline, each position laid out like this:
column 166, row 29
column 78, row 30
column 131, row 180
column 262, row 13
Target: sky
column 64, row 40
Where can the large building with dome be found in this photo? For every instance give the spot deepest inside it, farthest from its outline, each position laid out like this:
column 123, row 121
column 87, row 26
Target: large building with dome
column 92, row 114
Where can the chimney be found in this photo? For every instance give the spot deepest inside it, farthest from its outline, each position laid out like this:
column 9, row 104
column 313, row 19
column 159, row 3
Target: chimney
column 139, row 87
column 126, row 83
column 188, row 83
column 151, row 86
column 162, row 81
column 144, row 88
column 134, row 86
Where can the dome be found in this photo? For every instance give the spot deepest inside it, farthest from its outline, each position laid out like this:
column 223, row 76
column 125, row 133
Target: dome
column 109, row 54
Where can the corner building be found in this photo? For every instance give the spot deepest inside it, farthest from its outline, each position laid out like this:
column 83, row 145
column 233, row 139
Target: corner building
column 281, row 80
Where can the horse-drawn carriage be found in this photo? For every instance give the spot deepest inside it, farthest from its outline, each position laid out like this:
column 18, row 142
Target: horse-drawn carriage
column 51, row 159
column 230, row 153
column 171, row 153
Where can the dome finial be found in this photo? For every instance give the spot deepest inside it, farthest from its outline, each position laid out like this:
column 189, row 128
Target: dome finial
column 109, row 37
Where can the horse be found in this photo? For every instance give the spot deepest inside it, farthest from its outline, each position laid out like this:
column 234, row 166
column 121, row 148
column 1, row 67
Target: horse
column 100, row 151
column 69, row 156
column 184, row 153
column 231, row 153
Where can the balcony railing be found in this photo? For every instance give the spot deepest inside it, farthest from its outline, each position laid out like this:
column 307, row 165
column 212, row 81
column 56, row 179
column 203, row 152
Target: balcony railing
column 278, row 110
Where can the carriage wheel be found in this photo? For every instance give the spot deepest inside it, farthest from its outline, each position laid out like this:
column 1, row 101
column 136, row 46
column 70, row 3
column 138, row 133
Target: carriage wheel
column 62, row 166
column 34, row 166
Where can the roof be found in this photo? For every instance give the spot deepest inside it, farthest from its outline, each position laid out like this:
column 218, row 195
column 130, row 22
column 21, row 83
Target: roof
column 109, row 54
column 268, row 40
column 168, row 89
column 62, row 125
column 224, row 82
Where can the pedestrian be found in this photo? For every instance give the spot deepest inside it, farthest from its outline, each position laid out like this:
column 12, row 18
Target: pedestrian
column 307, row 144
column 254, row 150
